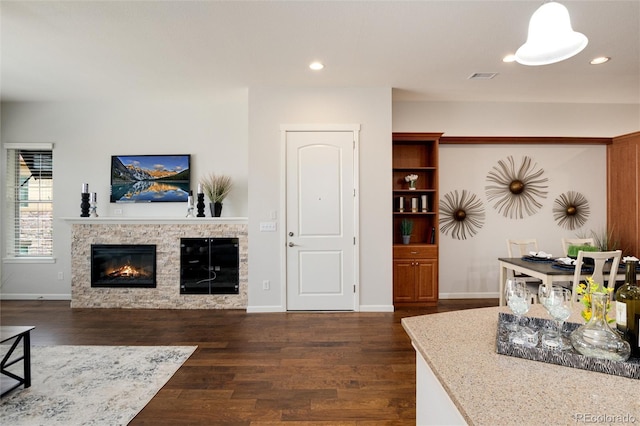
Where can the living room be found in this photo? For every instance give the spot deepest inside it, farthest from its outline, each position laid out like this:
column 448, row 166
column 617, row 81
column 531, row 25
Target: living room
column 219, row 81
column 236, row 131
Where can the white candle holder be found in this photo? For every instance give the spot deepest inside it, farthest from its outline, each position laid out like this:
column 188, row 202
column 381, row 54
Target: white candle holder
column 190, row 207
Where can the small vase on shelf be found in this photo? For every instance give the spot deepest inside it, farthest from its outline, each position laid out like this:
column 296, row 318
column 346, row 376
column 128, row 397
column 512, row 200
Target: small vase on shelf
column 406, row 239
column 412, row 185
column 216, row 209
column 596, row 339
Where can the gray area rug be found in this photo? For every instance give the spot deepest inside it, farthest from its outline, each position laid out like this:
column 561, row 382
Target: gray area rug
column 90, row 385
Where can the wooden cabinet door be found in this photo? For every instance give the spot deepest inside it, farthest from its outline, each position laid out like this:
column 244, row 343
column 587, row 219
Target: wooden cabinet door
column 404, row 281
column 426, row 280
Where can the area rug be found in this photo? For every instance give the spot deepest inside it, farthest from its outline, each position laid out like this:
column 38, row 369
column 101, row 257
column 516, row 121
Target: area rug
column 90, row 385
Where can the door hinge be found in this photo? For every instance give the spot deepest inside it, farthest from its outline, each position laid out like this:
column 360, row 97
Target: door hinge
column 354, row 288
column 354, row 241
column 354, row 192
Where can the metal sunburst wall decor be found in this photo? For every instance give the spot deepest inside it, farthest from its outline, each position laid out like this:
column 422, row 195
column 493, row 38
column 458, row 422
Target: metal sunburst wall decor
column 461, row 214
column 517, row 189
column 571, row 210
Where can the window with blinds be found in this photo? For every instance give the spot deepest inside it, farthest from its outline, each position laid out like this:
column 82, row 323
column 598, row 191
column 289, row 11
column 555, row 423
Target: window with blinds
column 29, row 207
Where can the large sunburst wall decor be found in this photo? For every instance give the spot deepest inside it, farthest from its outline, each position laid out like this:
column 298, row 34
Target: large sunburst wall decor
column 461, row 214
column 571, row 210
column 517, row 189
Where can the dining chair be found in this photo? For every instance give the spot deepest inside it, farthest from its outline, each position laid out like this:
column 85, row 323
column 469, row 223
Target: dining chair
column 566, row 242
column 524, row 246
column 599, row 258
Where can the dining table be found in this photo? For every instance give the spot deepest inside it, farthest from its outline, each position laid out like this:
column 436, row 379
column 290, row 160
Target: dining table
column 545, row 271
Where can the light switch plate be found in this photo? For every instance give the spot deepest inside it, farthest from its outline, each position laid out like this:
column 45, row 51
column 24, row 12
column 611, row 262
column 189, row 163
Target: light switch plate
column 268, row 227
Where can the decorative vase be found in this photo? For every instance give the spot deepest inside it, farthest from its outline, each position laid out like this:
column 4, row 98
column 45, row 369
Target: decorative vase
column 216, row 209
column 406, row 239
column 412, row 185
column 596, row 339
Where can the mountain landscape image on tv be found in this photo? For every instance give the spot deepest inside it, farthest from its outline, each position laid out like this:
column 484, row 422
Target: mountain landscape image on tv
column 150, row 178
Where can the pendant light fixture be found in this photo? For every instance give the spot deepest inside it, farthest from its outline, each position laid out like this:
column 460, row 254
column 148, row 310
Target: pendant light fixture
column 551, row 38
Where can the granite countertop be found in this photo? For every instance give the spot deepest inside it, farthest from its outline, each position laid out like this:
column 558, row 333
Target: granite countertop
column 489, row 388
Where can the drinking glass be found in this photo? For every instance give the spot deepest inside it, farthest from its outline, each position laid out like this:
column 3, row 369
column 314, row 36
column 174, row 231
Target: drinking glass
column 517, row 300
column 558, row 302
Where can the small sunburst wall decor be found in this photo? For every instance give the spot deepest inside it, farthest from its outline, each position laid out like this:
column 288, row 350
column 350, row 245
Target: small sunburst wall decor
column 463, row 215
column 571, row 210
column 517, row 189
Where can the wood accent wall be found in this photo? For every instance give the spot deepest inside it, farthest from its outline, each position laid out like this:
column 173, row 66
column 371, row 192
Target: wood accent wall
column 623, row 191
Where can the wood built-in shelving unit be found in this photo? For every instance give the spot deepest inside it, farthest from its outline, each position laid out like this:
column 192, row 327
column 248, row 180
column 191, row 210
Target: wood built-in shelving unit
column 415, row 265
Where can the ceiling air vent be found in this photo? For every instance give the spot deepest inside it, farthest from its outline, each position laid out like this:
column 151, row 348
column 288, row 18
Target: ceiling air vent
column 482, row 75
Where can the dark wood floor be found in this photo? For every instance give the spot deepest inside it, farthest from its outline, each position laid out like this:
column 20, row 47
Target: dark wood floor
column 250, row 369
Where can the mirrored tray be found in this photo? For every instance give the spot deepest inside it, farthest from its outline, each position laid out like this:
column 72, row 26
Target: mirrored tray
column 568, row 358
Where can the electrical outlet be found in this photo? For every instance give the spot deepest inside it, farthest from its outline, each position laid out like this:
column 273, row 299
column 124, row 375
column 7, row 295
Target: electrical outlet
column 117, row 212
column 266, row 285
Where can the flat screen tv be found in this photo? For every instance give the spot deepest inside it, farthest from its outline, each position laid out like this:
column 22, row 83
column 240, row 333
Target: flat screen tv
column 150, row 178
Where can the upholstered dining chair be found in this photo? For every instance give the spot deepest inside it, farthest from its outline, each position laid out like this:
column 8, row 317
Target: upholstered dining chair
column 599, row 258
column 519, row 248
column 566, row 242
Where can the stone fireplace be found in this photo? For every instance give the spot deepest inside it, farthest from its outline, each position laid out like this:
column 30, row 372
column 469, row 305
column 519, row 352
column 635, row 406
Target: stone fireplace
column 165, row 235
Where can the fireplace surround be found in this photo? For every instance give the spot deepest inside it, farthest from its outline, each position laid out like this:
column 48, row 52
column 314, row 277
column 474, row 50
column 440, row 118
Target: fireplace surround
column 165, row 234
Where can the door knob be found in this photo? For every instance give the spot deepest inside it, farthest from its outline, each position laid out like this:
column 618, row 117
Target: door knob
column 291, row 244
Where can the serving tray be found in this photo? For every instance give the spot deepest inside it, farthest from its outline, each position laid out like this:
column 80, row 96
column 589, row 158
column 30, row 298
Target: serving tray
column 568, row 358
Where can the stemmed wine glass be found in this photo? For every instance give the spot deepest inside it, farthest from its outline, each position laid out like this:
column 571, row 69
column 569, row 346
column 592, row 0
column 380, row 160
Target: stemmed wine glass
column 517, row 300
column 558, row 302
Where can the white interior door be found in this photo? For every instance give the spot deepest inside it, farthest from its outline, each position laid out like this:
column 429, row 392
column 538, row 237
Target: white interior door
column 320, row 223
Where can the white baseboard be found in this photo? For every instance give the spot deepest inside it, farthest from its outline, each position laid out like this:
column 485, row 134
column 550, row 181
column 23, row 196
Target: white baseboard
column 18, row 296
column 274, row 308
column 277, row 308
column 488, row 295
column 376, row 308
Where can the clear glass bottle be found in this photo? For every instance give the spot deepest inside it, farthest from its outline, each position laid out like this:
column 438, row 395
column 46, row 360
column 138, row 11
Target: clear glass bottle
column 627, row 299
column 596, row 339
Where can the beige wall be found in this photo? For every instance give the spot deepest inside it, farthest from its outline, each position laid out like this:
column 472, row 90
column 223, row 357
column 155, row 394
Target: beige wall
column 268, row 109
column 468, row 268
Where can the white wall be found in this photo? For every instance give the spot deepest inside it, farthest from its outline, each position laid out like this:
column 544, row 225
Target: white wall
column 213, row 129
column 268, row 109
column 468, row 268
column 516, row 119
column 238, row 133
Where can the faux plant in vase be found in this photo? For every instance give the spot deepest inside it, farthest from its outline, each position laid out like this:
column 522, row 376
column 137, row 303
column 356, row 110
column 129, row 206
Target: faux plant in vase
column 216, row 187
column 406, row 227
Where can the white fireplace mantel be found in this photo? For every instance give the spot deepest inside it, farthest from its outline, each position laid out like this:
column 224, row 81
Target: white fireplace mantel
column 155, row 220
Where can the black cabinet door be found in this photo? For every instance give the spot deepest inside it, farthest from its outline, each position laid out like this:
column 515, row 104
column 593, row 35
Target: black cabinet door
column 209, row 266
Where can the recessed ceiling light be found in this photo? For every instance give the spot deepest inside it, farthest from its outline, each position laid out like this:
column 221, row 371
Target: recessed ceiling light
column 316, row 66
column 600, row 60
column 509, row 58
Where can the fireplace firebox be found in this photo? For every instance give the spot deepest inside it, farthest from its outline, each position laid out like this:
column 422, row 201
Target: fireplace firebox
column 123, row 265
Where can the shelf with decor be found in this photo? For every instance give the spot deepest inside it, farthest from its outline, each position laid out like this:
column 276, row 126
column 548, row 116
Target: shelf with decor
column 415, row 199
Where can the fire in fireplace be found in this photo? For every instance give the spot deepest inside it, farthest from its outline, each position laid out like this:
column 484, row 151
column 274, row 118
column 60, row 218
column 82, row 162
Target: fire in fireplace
column 123, row 265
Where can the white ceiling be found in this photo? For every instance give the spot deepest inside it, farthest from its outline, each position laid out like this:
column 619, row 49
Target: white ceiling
column 424, row 50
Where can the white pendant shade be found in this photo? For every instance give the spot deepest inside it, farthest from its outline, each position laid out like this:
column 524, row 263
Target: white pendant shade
column 551, row 38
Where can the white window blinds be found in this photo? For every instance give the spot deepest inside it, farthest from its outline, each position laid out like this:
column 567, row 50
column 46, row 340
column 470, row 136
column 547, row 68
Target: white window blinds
column 29, row 207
